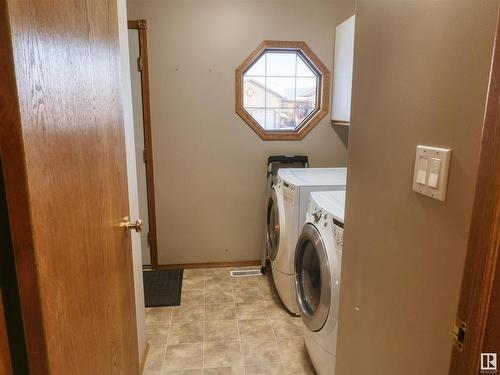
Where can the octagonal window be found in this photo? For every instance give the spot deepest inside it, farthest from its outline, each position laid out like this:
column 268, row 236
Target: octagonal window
column 282, row 90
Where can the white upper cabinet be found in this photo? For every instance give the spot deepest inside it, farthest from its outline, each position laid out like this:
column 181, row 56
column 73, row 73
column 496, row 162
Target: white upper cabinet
column 342, row 72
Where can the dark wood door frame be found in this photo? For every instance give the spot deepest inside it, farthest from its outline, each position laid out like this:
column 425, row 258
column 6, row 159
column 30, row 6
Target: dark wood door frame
column 143, row 65
column 5, row 362
column 479, row 306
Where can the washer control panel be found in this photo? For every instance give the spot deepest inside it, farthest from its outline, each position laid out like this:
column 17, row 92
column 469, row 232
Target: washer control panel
column 338, row 236
column 319, row 217
column 289, row 193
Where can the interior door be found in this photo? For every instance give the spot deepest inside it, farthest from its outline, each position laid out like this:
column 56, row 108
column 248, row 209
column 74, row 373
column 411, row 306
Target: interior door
column 63, row 154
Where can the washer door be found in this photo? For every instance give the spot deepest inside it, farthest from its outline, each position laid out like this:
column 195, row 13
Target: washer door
column 273, row 226
column 312, row 278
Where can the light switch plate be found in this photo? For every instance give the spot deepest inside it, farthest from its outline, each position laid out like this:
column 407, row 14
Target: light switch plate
column 430, row 153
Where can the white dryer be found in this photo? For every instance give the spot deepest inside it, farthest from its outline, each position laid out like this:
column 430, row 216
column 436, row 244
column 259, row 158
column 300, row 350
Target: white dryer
column 318, row 258
column 286, row 216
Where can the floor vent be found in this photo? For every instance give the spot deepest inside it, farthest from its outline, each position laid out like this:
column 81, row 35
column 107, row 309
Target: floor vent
column 246, row 273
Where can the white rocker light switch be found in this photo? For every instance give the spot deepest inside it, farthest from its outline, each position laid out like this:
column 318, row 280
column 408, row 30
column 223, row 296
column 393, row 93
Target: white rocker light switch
column 431, row 171
column 422, row 171
column 435, row 169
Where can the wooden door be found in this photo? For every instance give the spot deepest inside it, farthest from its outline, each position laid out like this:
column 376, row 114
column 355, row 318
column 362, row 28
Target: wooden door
column 63, row 152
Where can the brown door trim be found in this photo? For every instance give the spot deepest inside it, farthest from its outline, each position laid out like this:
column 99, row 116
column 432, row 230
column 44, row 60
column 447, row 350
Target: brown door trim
column 141, row 26
column 479, row 294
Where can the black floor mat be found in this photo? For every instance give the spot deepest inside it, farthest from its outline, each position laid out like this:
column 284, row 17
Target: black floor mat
column 162, row 287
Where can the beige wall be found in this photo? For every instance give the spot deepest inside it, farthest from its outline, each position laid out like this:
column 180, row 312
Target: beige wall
column 209, row 165
column 420, row 77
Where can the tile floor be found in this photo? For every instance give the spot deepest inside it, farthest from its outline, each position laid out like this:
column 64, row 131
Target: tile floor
column 225, row 326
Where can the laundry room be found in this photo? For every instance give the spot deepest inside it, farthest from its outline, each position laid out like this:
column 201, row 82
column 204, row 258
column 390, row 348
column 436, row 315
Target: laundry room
column 249, row 187
column 209, row 165
column 246, row 107
column 216, row 167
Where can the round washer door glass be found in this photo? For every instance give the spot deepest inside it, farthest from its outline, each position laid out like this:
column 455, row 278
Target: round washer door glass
column 273, row 226
column 312, row 278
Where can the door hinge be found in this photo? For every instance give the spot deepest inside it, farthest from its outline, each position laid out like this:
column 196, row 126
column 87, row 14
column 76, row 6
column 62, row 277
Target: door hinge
column 145, row 155
column 459, row 334
column 149, row 239
column 139, row 63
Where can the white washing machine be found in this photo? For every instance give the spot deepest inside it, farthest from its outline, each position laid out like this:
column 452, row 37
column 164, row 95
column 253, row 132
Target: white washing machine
column 318, row 258
column 286, row 216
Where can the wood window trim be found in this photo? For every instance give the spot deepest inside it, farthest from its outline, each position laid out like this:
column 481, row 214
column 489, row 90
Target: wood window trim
column 141, row 26
column 324, row 90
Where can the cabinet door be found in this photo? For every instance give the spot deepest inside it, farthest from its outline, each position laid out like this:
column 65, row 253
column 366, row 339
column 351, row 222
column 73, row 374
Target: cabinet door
column 342, row 72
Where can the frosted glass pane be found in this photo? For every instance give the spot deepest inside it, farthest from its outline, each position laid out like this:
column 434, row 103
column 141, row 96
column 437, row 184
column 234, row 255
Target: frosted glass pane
column 258, row 68
column 259, row 114
column 286, row 119
column 303, row 70
column 280, row 119
column 254, row 92
column 281, row 64
column 301, row 114
column 306, row 92
column 280, row 91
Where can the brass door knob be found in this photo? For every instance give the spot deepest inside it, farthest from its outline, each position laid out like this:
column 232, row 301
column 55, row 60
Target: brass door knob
column 129, row 225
